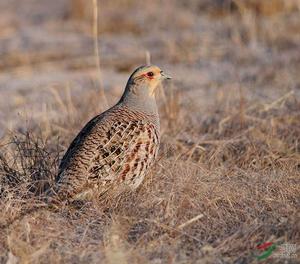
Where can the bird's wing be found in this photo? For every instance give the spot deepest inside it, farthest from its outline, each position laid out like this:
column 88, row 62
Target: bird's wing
column 100, row 155
column 77, row 141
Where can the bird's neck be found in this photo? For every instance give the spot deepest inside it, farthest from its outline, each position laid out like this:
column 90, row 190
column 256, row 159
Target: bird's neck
column 139, row 100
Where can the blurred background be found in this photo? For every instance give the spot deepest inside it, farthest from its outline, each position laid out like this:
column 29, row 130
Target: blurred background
column 214, row 49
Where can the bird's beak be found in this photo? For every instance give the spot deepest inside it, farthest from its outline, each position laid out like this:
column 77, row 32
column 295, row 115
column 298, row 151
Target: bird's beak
column 164, row 76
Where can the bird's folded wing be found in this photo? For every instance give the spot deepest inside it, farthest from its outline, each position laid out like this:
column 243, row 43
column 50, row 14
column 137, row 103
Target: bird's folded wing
column 122, row 152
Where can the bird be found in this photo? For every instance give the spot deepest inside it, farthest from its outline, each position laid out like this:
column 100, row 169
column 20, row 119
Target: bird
column 116, row 147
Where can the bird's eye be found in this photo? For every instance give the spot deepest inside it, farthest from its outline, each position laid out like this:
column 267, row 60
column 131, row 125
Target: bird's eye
column 150, row 74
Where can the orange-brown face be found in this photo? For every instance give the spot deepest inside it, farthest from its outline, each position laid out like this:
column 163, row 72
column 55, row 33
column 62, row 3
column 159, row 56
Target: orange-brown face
column 151, row 76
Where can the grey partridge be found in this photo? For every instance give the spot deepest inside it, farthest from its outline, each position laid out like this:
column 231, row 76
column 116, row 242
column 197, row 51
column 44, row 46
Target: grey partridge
column 116, row 147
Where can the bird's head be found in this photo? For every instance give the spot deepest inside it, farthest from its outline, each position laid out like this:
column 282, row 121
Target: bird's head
column 145, row 79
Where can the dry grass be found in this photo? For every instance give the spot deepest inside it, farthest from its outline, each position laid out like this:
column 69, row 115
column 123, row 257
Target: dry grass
column 208, row 201
column 228, row 173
